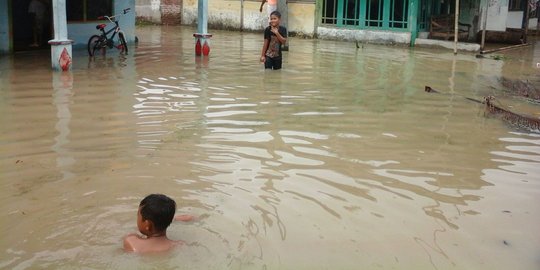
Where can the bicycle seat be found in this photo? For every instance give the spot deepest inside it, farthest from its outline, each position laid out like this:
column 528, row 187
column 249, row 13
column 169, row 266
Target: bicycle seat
column 100, row 26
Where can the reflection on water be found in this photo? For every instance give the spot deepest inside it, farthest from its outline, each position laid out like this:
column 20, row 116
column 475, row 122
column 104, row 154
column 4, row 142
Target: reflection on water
column 340, row 160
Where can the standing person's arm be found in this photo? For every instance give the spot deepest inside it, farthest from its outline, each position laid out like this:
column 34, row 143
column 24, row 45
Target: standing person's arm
column 280, row 38
column 262, row 4
column 265, row 47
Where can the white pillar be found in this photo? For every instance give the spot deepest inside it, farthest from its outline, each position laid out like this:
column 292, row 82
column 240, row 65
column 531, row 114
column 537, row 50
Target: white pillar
column 283, row 8
column 202, row 10
column 60, row 46
column 202, row 44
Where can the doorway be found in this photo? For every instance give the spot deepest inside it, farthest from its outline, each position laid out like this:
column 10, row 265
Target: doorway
column 23, row 28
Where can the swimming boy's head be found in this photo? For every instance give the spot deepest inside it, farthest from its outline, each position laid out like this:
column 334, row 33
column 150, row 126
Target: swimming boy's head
column 156, row 213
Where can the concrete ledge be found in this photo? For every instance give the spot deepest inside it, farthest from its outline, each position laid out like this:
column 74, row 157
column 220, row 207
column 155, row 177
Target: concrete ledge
column 461, row 46
column 60, row 42
column 199, row 35
column 371, row 36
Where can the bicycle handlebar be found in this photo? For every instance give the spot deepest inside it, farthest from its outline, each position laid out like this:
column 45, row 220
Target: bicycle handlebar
column 125, row 11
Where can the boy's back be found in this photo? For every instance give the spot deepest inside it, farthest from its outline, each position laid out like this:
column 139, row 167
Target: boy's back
column 155, row 214
column 136, row 243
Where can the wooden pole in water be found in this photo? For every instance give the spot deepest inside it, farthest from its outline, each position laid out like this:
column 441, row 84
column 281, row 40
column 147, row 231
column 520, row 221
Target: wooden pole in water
column 504, row 48
column 526, row 23
column 241, row 15
column 484, row 25
column 456, row 27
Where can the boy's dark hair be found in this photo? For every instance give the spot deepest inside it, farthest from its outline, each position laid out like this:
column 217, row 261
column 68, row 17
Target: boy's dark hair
column 159, row 209
column 276, row 13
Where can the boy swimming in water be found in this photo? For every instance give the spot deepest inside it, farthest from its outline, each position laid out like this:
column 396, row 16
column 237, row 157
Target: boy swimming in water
column 155, row 214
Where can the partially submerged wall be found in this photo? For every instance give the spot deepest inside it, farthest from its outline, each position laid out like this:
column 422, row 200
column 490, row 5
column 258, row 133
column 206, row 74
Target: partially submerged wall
column 148, row 11
column 171, row 12
column 159, row 11
column 369, row 36
column 4, row 27
column 225, row 14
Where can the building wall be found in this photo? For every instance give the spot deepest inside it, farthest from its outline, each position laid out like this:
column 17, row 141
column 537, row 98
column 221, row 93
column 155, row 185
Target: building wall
column 148, row 10
column 302, row 18
column 4, row 27
column 515, row 19
column 166, row 12
column 497, row 14
column 371, row 36
column 171, row 11
column 227, row 14
column 81, row 32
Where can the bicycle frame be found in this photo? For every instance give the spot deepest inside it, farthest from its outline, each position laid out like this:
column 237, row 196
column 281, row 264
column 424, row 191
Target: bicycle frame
column 106, row 37
column 116, row 27
column 105, row 34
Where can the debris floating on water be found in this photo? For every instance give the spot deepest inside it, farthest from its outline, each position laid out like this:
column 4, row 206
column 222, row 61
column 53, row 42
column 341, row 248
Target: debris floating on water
column 515, row 119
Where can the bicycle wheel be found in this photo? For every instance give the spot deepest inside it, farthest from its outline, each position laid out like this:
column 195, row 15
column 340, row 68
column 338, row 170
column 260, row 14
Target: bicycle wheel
column 94, row 44
column 123, row 45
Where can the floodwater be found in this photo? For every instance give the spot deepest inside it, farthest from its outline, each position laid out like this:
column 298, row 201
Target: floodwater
column 338, row 161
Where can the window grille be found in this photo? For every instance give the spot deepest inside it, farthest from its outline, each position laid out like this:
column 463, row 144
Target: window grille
column 351, row 11
column 516, row 5
column 423, row 20
column 362, row 14
column 399, row 11
column 329, row 12
column 374, row 13
column 88, row 10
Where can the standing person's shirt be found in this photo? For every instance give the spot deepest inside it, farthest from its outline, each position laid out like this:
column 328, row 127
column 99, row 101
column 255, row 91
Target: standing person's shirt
column 274, row 46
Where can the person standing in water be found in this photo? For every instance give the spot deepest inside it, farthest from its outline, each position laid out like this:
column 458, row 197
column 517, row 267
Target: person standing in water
column 275, row 35
column 38, row 15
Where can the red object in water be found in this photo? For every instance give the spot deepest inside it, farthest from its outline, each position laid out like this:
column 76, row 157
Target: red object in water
column 65, row 60
column 198, row 47
column 205, row 48
column 202, row 48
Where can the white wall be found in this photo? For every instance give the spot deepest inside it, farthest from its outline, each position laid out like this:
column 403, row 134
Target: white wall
column 226, row 14
column 516, row 17
column 4, row 27
column 497, row 14
column 149, row 10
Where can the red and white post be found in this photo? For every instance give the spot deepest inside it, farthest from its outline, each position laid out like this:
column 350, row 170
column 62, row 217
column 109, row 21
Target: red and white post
column 202, row 44
column 61, row 53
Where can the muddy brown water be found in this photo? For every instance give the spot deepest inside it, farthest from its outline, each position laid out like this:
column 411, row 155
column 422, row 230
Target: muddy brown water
column 338, row 161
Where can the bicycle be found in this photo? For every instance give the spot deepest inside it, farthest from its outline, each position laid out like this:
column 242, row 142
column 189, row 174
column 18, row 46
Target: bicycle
column 103, row 41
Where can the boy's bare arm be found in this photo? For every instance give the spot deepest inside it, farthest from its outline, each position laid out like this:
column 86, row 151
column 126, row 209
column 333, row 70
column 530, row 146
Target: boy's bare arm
column 184, row 218
column 280, row 38
column 265, row 47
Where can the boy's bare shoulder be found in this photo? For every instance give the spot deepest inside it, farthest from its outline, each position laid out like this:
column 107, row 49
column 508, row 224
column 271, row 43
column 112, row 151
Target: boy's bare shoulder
column 131, row 242
column 185, row 218
column 136, row 243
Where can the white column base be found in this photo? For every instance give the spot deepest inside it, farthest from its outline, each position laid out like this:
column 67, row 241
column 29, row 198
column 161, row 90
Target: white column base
column 61, row 54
